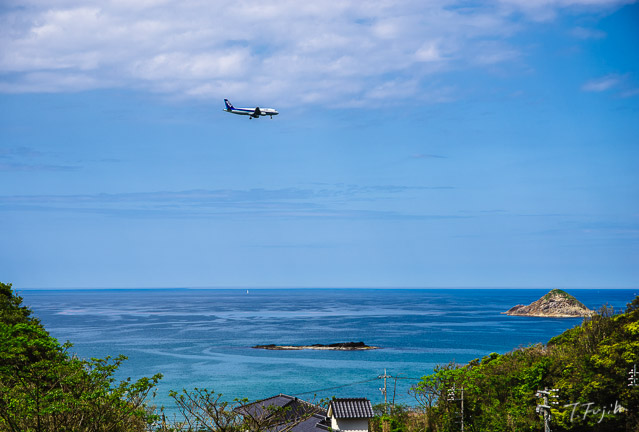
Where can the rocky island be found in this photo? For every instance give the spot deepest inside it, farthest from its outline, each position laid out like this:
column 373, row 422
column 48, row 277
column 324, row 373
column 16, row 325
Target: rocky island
column 555, row 304
column 342, row 346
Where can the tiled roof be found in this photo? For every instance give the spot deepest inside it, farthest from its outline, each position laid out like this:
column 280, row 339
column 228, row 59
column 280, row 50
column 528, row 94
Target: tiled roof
column 295, row 407
column 303, row 416
column 315, row 423
column 351, row 408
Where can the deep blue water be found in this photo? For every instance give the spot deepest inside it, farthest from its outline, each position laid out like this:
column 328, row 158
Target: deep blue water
column 203, row 338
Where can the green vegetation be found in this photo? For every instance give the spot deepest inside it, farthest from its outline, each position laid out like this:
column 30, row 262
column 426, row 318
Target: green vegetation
column 44, row 388
column 561, row 293
column 588, row 364
column 558, row 292
column 396, row 418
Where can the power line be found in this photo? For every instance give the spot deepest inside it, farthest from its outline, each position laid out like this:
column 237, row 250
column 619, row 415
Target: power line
column 336, row 387
column 355, row 383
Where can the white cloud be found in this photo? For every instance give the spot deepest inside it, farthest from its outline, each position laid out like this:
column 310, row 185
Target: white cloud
column 543, row 10
column 53, row 82
column 602, row 84
column 587, row 33
column 620, row 85
column 428, row 52
column 490, row 53
column 285, row 51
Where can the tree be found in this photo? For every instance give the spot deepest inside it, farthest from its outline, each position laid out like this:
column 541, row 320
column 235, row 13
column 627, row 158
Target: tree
column 205, row 410
column 44, row 388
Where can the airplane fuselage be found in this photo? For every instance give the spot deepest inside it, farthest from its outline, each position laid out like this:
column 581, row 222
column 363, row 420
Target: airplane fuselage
column 252, row 112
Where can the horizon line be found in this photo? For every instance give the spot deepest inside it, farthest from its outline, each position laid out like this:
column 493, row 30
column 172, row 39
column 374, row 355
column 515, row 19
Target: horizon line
column 315, row 288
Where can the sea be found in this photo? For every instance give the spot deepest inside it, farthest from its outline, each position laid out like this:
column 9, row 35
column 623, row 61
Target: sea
column 204, row 337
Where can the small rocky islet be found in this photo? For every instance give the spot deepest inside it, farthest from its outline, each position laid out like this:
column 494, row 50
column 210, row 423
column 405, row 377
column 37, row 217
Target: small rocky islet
column 556, row 304
column 340, row 346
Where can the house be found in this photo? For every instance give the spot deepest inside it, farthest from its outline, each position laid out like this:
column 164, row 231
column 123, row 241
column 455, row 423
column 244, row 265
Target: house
column 350, row 414
column 283, row 413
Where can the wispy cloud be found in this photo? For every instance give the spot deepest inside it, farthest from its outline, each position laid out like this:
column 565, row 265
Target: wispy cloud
column 343, row 201
column 602, row 84
column 36, row 167
column 587, row 33
column 544, row 10
column 622, row 85
column 356, row 51
column 28, row 159
column 427, row 156
column 10, row 152
column 630, row 92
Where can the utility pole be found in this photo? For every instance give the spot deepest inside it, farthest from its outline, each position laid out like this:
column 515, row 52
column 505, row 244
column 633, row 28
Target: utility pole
column 383, row 390
column 544, row 408
column 633, row 376
column 462, row 409
column 394, row 391
column 453, row 397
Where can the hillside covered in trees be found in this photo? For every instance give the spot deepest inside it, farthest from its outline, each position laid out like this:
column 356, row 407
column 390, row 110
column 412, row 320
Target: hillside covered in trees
column 588, row 365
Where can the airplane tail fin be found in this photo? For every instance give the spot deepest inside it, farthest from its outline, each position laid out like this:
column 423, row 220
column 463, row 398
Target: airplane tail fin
column 228, row 104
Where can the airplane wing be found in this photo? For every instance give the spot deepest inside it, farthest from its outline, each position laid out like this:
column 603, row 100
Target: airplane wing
column 256, row 113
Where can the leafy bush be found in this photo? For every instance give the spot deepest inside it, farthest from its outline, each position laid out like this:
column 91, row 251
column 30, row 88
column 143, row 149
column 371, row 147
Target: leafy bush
column 44, row 388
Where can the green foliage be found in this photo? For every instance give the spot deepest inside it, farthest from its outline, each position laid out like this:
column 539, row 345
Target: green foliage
column 394, row 418
column 558, row 292
column 43, row 388
column 569, row 298
column 589, row 365
column 202, row 409
column 11, row 311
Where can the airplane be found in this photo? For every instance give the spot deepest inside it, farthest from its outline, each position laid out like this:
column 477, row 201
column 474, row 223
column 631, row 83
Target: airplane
column 252, row 112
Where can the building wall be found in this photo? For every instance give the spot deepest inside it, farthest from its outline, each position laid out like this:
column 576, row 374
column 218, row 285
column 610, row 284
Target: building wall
column 350, row 425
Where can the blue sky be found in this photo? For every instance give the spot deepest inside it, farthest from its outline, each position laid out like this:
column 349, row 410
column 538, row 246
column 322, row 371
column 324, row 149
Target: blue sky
column 419, row 144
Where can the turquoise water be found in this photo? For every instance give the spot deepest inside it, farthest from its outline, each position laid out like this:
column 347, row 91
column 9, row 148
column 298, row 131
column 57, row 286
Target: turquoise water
column 203, row 338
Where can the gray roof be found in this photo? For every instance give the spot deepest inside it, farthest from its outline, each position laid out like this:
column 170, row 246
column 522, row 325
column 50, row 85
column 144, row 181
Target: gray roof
column 269, row 409
column 303, row 416
column 351, row 408
column 315, row 423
